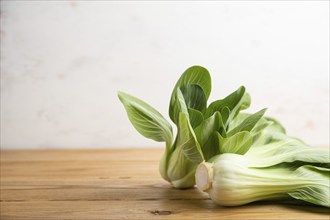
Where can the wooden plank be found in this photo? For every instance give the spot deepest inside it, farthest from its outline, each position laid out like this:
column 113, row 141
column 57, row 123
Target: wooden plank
column 113, row 184
column 162, row 209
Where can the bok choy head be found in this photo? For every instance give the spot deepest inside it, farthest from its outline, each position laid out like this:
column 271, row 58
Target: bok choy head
column 275, row 167
column 283, row 169
column 203, row 130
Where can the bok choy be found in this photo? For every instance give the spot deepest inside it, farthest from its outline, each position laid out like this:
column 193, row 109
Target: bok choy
column 201, row 128
column 239, row 157
column 275, row 167
column 278, row 170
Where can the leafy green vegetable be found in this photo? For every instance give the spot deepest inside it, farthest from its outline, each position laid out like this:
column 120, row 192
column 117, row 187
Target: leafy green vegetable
column 202, row 130
column 233, row 179
column 241, row 157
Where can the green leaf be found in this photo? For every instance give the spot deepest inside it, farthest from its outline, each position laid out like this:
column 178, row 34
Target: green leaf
column 145, row 119
column 238, row 120
column 210, row 148
column 205, row 135
column 276, row 125
column 194, row 75
column 225, row 113
column 207, row 127
column 187, row 141
column 232, row 101
column 246, row 101
column 195, row 117
column 266, row 130
column 287, row 150
column 271, row 133
column 260, row 126
column 248, row 124
column 319, row 191
column 238, row 143
column 194, row 97
column 179, row 106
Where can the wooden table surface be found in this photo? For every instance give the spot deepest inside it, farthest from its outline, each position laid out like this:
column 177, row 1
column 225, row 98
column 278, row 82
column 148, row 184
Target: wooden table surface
column 113, row 184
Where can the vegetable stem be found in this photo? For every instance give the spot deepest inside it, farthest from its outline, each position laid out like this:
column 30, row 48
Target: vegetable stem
column 204, row 176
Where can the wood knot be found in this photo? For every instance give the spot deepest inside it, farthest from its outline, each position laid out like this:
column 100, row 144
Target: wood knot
column 161, row 212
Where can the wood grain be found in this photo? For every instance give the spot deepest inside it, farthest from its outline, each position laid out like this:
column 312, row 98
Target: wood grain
column 113, row 184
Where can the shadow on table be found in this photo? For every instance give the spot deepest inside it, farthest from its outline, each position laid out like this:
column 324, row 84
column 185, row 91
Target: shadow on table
column 303, row 206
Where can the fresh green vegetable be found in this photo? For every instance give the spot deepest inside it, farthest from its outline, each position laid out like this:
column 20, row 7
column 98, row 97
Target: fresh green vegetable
column 274, row 167
column 203, row 131
column 239, row 157
column 278, row 170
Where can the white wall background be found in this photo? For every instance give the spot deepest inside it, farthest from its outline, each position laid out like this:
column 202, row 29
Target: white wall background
column 63, row 61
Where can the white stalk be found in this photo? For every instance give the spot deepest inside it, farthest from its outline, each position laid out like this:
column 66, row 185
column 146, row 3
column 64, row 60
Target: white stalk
column 230, row 181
